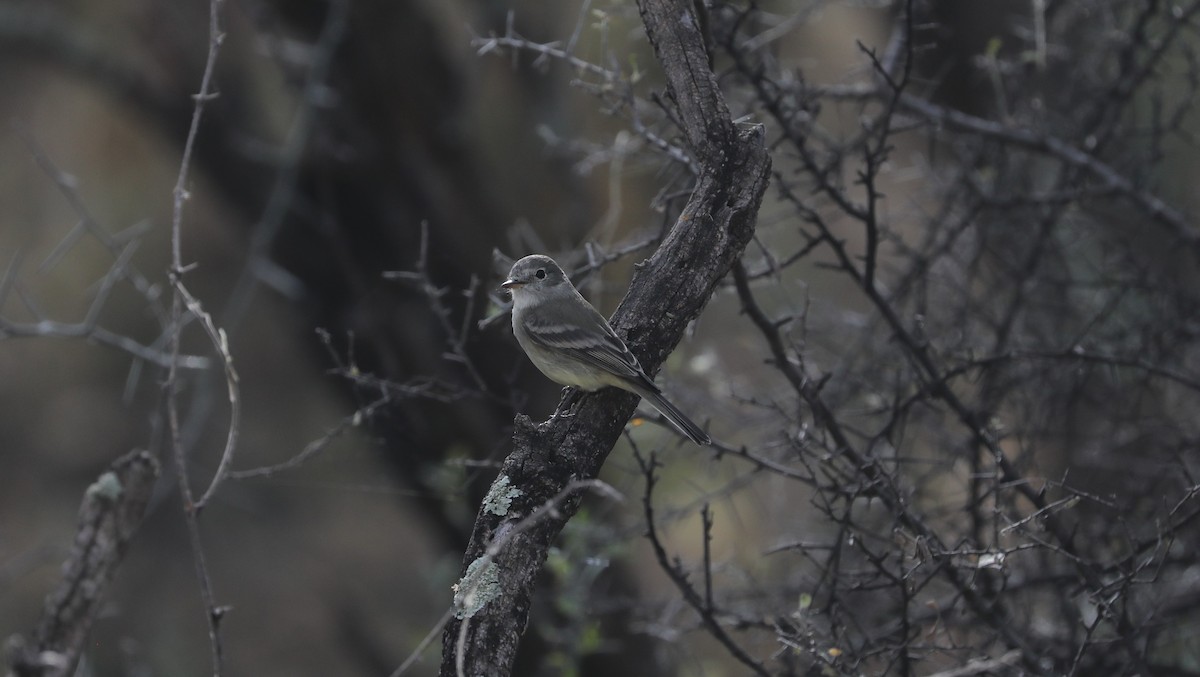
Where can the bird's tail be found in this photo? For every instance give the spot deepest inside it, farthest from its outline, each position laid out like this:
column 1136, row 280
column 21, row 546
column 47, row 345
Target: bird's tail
column 685, row 424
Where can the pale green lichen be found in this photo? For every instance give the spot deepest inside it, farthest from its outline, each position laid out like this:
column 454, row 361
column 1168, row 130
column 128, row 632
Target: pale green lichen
column 480, row 585
column 500, row 497
column 107, row 486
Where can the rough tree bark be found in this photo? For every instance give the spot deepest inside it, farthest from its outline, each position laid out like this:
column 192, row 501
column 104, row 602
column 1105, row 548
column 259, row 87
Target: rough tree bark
column 109, row 517
column 667, row 292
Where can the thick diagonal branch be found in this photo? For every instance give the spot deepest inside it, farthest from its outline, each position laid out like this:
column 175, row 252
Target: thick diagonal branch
column 668, row 291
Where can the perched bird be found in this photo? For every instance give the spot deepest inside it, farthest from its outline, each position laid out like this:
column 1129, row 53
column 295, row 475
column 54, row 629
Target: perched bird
column 570, row 342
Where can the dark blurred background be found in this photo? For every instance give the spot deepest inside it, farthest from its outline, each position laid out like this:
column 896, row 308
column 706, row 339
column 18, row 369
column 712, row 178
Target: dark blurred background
column 343, row 131
column 348, row 133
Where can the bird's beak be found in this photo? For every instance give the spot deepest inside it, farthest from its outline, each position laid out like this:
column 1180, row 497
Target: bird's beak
column 511, row 283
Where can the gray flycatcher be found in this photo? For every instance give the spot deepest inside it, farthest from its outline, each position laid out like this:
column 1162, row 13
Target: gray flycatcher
column 572, row 343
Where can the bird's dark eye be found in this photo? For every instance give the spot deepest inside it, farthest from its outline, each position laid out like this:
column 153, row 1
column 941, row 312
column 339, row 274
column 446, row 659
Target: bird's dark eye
column 540, row 274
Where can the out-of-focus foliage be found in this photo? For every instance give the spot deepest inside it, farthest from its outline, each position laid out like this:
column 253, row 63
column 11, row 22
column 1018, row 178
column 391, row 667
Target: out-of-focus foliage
column 953, row 381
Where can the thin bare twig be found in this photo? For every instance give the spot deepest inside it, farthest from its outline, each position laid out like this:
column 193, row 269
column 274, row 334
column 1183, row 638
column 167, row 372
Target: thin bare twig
column 318, row 445
column 213, row 612
column 424, row 644
column 675, row 572
column 456, row 336
column 221, row 342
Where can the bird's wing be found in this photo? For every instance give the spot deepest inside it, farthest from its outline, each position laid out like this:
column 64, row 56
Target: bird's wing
column 588, row 338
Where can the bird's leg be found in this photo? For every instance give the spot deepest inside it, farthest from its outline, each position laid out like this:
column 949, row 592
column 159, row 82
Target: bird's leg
column 568, row 400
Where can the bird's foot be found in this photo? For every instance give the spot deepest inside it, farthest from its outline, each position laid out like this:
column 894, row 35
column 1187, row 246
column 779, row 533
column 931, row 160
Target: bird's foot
column 568, row 402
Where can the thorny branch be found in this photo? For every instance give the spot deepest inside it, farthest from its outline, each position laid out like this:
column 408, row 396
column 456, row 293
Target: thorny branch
column 214, row 613
column 867, row 453
column 702, row 604
column 669, row 290
column 121, row 246
column 981, row 413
